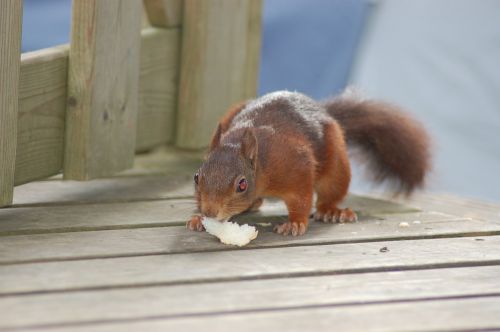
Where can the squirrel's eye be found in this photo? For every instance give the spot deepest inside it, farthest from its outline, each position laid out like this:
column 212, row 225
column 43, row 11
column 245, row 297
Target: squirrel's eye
column 242, row 185
column 196, row 177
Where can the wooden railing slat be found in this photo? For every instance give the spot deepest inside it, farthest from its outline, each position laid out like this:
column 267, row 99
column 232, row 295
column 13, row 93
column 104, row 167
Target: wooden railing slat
column 43, row 91
column 158, row 82
column 42, row 112
column 10, row 54
column 102, row 88
column 220, row 49
column 254, row 33
column 42, row 102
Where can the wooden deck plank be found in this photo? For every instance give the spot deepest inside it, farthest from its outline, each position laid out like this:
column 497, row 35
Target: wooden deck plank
column 247, row 264
column 277, row 294
column 470, row 314
column 104, row 190
column 74, row 218
column 167, row 173
column 158, row 213
column 469, row 208
column 169, row 240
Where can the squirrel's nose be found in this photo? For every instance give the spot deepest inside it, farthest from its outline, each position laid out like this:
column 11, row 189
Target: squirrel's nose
column 210, row 212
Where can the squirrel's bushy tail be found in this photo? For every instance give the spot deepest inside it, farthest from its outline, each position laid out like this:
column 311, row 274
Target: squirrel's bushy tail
column 395, row 146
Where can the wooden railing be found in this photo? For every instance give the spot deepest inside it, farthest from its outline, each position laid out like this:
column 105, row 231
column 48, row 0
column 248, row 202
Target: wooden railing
column 121, row 86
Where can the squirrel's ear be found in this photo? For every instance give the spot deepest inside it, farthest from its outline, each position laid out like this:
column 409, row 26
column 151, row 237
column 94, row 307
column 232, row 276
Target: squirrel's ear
column 249, row 145
column 216, row 138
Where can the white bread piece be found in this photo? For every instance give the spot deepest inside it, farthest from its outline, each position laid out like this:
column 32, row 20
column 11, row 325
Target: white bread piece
column 230, row 233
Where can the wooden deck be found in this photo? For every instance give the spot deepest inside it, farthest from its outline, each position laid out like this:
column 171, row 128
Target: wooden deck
column 114, row 255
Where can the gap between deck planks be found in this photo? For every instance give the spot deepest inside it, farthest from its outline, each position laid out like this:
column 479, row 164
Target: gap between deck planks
column 164, row 173
column 173, row 240
column 108, row 306
column 157, row 213
column 119, row 257
column 468, row 208
column 264, row 263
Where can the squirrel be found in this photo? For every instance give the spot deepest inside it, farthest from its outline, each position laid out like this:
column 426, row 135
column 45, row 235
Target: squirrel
column 287, row 145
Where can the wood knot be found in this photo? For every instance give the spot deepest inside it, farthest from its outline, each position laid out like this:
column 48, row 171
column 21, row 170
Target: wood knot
column 72, row 101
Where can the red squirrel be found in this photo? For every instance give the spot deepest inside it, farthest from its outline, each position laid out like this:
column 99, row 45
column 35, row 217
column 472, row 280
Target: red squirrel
column 286, row 145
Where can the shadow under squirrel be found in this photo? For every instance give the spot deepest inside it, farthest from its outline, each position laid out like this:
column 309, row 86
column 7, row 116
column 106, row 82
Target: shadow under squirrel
column 286, row 145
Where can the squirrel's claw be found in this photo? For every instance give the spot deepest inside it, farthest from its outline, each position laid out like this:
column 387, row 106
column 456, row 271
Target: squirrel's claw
column 336, row 215
column 292, row 228
column 195, row 224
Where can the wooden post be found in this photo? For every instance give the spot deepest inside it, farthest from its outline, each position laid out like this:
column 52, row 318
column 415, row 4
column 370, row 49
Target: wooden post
column 102, row 88
column 254, row 38
column 164, row 13
column 219, row 64
column 10, row 56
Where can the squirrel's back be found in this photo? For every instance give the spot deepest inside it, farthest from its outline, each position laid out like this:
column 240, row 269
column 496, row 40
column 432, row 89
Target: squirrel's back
column 286, row 113
column 396, row 146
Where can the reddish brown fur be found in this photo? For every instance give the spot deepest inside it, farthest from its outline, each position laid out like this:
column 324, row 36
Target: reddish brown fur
column 225, row 122
column 395, row 146
column 287, row 146
column 333, row 178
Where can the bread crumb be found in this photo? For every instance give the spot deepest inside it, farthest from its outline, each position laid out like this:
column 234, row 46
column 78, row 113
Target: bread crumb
column 417, row 222
column 404, row 224
column 230, row 233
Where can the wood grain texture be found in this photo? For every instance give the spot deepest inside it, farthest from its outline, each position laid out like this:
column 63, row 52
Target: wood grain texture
column 172, row 212
column 467, row 207
column 254, row 39
column 42, row 102
column 94, row 217
column 247, row 264
column 145, row 240
column 10, row 49
column 102, row 88
column 220, row 51
column 468, row 314
column 158, row 82
column 164, row 13
column 110, row 190
column 42, row 113
column 275, row 294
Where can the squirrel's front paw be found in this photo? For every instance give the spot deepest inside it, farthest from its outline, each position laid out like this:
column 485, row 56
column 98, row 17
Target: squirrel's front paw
column 195, row 223
column 289, row 227
column 335, row 215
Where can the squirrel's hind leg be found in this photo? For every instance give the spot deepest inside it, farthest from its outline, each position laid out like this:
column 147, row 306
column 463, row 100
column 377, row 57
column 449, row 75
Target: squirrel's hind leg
column 333, row 179
column 294, row 169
